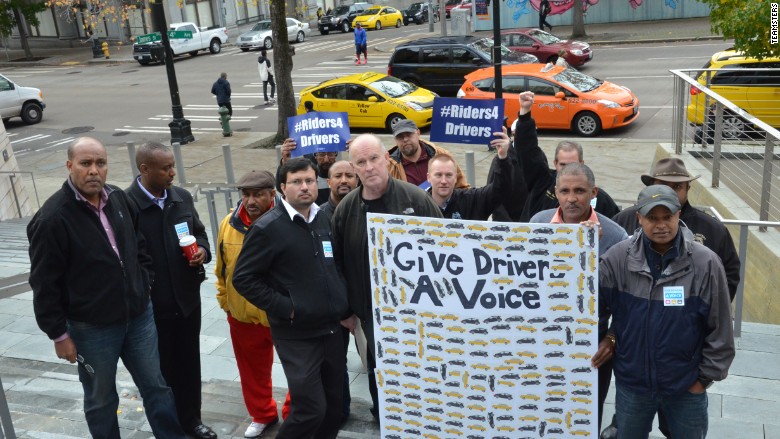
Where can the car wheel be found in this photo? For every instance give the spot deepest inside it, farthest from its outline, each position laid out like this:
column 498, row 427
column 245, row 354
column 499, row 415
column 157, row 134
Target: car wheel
column 215, row 46
column 378, row 25
column 586, row 124
column 392, row 120
column 397, row 23
column 245, row 49
column 733, row 126
column 32, row 113
column 324, row 32
column 344, row 27
column 268, row 44
column 301, row 36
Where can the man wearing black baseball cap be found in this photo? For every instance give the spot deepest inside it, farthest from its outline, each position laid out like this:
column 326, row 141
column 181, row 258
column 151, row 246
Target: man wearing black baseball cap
column 676, row 288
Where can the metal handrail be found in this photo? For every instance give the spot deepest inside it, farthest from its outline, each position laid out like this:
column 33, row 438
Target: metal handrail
column 11, row 175
column 742, row 254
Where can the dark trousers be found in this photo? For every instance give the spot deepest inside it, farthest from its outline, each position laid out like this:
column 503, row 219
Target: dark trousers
column 368, row 329
column 178, row 339
column 543, row 22
column 314, row 368
column 228, row 106
column 265, row 87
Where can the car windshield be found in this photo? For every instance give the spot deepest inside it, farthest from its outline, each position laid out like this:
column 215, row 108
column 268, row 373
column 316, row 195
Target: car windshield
column 393, row 87
column 452, row 2
column 576, row 80
column 544, row 37
column 485, row 47
column 341, row 10
column 415, row 7
column 371, row 11
column 263, row 25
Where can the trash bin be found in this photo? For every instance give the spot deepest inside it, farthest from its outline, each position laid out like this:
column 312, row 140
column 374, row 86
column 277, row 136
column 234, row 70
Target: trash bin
column 460, row 22
column 97, row 49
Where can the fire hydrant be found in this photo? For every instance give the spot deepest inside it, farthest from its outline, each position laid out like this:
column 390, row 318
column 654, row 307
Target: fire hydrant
column 224, row 119
column 104, row 47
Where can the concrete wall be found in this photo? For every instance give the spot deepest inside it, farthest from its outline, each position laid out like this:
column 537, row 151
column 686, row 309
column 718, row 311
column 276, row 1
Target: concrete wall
column 525, row 13
column 8, row 203
column 762, row 277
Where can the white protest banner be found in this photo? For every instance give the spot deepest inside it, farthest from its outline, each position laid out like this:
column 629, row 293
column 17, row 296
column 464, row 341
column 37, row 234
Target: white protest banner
column 484, row 329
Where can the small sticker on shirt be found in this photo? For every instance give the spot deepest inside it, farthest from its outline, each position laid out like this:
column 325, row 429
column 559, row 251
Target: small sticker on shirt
column 182, row 230
column 327, row 248
column 674, row 296
column 593, row 203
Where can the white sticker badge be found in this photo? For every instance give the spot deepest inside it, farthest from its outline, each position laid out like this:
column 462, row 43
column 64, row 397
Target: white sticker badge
column 674, row 296
column 327, row 248
column 182, row 230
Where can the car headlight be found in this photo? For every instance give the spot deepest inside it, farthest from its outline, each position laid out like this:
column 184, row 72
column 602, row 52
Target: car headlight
column 609, row 104
column 414, row 106
column 576, row 52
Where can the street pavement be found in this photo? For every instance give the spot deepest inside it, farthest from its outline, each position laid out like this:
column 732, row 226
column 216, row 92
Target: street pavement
column 45, row 396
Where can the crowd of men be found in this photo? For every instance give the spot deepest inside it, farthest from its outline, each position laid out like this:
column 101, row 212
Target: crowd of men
column 110, row 279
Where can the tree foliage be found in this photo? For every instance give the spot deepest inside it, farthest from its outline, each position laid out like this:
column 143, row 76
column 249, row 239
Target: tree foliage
column 747, row 22
column 14, row 13
column 95, row 12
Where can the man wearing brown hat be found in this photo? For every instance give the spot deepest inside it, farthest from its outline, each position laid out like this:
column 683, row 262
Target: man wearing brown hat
column 249, row 329
column 671, row 316
column 410, row 156
column 706, row 230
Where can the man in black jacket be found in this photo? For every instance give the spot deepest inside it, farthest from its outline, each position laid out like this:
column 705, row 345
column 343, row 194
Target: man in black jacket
column 539, row 178
column 379, row 193
column 342, row 179
column 221, row 89
column 166, row 214
column 286, row 267
column 472, row 203
column 90, row 277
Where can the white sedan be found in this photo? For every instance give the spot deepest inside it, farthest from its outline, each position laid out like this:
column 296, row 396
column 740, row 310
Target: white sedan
column 260, row 34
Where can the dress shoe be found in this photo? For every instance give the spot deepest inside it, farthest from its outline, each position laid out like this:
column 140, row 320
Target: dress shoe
column 202, row 432
column 609, row 433
column 256, row 429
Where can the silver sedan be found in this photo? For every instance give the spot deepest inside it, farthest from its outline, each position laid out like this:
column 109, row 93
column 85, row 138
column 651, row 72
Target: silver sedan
column 260, row 34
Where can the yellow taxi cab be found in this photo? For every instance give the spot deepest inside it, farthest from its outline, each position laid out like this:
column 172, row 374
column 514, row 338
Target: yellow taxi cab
column 750, row 90
column 377, row 17
column 371, row 100
column 564, row 98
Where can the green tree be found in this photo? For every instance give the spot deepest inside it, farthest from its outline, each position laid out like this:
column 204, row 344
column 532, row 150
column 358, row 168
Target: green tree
column 747, row 22
column 14, row 14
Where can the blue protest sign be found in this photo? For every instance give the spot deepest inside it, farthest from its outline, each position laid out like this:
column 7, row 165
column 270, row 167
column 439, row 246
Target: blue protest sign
column 466, row 120
column 318, row 132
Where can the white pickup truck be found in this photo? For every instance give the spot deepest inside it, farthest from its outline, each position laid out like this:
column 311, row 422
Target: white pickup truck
column 202, row 38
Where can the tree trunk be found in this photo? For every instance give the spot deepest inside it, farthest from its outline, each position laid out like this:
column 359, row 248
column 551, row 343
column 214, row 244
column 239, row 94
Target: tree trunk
column 283, row 64
column 20, row 23
column 578, row 21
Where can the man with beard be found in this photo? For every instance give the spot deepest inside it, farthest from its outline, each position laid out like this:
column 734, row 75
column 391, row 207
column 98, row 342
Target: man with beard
column 410, row 156
column 341, row 180
column 166, row 214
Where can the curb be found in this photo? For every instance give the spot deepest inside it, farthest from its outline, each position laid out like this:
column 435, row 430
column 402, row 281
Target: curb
column 655, row 40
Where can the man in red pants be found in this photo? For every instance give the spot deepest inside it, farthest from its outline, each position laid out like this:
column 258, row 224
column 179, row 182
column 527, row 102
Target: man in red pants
column 249, row 328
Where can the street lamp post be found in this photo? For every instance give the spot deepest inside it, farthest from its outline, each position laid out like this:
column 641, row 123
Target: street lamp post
column 181, row 130
column 497, row 50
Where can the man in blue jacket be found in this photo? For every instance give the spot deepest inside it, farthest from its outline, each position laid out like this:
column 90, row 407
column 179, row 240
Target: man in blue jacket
column 91, row 276
column 221, row 89
column 669, row 300
column 361, row 44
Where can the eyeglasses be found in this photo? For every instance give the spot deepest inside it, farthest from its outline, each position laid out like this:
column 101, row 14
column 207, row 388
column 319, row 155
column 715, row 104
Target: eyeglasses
column 299, row 182
column 330, row 155
column 87, row 367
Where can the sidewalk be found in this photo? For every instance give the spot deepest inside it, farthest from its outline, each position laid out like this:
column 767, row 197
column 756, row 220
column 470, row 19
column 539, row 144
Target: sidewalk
column 692, row 29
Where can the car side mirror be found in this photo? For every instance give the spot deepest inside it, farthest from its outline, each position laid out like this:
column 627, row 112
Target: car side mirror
column 373, row 99
column 535, row 46
column 559, row 95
